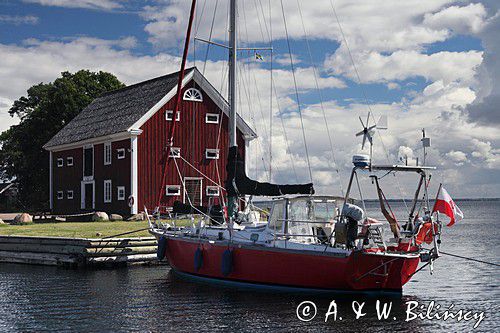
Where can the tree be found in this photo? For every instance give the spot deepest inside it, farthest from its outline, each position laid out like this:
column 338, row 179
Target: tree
column 43, row 112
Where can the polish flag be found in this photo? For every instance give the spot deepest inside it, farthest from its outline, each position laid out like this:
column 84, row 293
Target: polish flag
column 444, row 204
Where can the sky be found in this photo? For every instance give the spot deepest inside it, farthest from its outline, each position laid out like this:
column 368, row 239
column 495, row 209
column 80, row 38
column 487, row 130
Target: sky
column 429, row 64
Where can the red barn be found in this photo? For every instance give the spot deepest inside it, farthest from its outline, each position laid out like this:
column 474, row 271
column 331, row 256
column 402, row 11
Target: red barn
column 111, row 156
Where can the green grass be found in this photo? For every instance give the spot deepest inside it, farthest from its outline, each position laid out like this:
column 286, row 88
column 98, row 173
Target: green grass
column 75, row 229
column 80, row 229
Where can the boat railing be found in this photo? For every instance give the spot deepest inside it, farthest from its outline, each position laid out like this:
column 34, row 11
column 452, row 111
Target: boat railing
column 307, row 221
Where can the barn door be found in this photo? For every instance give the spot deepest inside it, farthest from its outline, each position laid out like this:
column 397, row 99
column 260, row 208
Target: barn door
column 193, row 191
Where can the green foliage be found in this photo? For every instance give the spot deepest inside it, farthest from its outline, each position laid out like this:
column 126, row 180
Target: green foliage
column 46, row 109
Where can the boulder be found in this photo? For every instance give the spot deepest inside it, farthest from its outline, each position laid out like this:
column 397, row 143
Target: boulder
column 100, row 217
column 2, row 222
column 23, row 218
column 115, row 217
column 137, row 217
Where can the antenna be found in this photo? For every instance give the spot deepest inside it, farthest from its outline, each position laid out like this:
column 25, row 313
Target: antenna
column 426, row 142
column 368, row 131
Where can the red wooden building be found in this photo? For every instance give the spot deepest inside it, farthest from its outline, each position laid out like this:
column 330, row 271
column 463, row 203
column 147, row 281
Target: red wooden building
column 111, row 156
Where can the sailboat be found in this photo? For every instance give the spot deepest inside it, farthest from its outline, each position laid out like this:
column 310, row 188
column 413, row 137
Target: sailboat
column 308, row 242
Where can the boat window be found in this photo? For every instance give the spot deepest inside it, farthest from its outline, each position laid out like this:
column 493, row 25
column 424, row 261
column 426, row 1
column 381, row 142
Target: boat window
column 276, row 218
column 299, row 210
column 325, row 210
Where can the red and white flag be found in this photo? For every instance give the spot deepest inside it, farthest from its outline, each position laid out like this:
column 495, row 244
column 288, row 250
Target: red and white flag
column 445, row 204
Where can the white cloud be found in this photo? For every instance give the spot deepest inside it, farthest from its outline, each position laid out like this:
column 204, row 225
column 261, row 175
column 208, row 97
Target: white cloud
column 89, row 4
column 17, row 20
column 485, row 109
column 401, row 65
column 486, row 153
column 461, row 20
column 363, row 22
column 457, row 156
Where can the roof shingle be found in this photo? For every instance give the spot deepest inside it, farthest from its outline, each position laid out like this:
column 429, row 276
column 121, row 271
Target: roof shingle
column 115, row 111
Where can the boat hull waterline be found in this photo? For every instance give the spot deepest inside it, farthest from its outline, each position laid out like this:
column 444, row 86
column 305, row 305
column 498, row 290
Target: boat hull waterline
column 358, row 271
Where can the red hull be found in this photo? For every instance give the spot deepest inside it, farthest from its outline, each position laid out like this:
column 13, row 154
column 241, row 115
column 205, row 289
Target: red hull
column 281, row 267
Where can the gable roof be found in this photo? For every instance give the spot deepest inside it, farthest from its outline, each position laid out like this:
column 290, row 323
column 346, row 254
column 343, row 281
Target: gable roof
column 126, row 109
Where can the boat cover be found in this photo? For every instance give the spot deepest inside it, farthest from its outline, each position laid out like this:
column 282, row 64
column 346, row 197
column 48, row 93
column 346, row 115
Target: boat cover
column 238, row 183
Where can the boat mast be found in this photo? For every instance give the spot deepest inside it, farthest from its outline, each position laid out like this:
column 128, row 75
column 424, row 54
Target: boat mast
column 233, row 79
column 232, row 201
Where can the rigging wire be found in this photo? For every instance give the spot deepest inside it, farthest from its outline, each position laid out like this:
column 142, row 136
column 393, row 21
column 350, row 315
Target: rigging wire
column 296, row 91
column 270, row 32
column 210, row 36
column 365, row 96
column 289, row 151
column 315, row 71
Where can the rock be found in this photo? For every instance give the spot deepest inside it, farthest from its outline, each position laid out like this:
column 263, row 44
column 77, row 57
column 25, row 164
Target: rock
column 2, row 222
column 23, row 218
column 115, row 217
column 98, row 234
column 137, row 217
column 100, row 217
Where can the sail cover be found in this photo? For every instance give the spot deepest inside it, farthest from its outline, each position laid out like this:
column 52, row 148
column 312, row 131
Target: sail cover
column 238, row 183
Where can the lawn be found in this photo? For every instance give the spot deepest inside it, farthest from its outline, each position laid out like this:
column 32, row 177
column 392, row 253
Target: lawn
column 76, row 229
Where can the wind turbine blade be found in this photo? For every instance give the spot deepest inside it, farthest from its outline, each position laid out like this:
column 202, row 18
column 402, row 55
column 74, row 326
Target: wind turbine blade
column 382, row 123
column 367, row 119
column 370, row 138
column 361, row 121
column 363, row 144
column 360, row 133
column 371, row 128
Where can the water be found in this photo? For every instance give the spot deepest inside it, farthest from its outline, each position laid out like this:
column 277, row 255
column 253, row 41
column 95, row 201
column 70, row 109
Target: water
column 36, row 298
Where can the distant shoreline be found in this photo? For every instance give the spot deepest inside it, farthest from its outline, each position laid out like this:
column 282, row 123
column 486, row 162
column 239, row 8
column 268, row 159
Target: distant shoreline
column 407, row 199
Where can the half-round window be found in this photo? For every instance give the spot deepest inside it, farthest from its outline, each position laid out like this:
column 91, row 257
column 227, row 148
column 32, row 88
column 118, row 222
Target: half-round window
column 193, row 95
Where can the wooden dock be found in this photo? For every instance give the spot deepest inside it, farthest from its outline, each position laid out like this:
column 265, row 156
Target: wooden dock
column 78, row 252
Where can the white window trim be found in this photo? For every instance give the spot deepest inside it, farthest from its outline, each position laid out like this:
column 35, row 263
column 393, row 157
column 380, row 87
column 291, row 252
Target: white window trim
column 69, row 161
column 120, row 189
column 60, row 195
column 60, row 162
column 70, row 194
column 191, row 98
column 212, row 115
column 91, row 177
column 175, row 152
column 208, row 188
column 107, row 148
column 207, row 151
column 177, row 187
column 171, row 112
column 120, row 151
column 108, row 197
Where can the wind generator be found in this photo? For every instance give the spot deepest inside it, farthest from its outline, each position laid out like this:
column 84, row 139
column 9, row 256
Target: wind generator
column 367, row 133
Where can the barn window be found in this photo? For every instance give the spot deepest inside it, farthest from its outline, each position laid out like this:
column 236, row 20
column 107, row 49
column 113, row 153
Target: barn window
column 107, row 191
column 120, row 190
column 193, row 95
column 172, row 190
column 120, row 153
column 107, row 153
column 69, row 161
column 212, row 118
column 212, row 154
column 212, row 191
column 69, row 194
column 169, row 115
column 175, row 152
column 60, row 162
column 60, row 195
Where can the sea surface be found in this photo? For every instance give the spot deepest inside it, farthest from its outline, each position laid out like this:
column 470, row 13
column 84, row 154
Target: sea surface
column 152, row 299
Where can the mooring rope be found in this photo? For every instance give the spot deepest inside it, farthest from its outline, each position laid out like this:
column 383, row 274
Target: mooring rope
column 468, row 258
